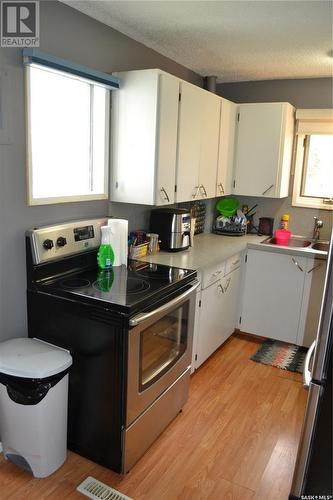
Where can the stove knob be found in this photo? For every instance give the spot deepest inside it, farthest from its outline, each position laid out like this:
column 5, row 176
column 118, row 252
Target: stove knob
column 48, row 244
column 61, row 241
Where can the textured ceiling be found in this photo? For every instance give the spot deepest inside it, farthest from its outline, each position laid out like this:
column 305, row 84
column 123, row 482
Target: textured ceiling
column 235, row 40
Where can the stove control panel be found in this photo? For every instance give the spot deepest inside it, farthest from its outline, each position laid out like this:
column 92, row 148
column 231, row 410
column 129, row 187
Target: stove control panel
column 54, row 242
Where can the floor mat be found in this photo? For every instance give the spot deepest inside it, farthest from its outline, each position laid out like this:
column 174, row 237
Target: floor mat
column 281, row 355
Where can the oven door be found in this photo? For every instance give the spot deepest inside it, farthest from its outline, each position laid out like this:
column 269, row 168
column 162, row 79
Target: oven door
column 159, row 350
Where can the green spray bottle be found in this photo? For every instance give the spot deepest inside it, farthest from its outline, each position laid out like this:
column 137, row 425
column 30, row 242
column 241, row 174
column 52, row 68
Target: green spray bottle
column 105, row 256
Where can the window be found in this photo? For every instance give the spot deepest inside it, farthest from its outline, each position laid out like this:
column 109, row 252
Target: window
column 67, row 137
column 313, row 179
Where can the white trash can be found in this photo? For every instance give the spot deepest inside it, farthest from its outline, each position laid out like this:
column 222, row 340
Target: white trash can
column 33, row 404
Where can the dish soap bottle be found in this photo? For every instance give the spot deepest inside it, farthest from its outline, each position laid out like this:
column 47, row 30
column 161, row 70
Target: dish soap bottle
column 105, row 256
column 284, row 224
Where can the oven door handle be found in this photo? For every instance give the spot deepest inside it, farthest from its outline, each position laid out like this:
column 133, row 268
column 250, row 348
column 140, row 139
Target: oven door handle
column 140, row 318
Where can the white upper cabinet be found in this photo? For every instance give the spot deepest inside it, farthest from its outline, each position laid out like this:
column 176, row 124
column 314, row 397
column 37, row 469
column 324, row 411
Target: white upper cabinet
column 224, row 176
column 210, row 127
column 264, row 149
column 189, row 142
column 198, row 138
column 144, row 138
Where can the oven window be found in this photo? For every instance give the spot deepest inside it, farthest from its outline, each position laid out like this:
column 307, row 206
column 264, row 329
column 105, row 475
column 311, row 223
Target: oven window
column 162, row 344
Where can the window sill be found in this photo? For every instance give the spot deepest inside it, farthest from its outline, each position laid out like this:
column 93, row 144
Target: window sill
column 302, row 202
column 66, row 199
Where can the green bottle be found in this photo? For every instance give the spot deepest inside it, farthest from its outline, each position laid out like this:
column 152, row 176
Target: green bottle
column 105, row 256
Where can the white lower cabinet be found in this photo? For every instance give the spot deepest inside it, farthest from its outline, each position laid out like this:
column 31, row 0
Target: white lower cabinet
column 281, row 296
column 217, row 313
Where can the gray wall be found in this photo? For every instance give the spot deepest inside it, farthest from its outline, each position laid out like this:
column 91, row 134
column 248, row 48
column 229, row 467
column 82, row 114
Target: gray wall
column 66, row 33
column 301, row 93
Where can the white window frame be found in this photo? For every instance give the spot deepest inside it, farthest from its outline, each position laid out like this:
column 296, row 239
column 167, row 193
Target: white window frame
column 31, row 201
column 309, row 122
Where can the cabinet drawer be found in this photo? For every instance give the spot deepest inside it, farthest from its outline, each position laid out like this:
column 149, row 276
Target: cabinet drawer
column 212, row 274
column 232, row 263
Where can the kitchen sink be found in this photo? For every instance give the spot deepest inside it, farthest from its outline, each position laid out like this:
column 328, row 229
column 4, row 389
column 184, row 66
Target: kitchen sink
column 321, row 245
column 294, row 242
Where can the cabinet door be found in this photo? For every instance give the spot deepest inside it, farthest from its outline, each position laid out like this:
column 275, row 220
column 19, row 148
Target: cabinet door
column 134, row 114
column 166, row 139
column 144, row 138
column 189, row 142
column 210, row 123
column 272, row 295
column 230, row 288
column 210, row 335
column 225, row 166
column 312, row 297
column 258, row 149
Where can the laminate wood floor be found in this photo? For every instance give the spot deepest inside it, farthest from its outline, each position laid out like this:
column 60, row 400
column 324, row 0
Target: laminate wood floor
column 236, row 439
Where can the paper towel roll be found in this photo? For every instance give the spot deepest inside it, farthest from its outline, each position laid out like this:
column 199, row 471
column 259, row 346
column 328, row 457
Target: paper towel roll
column 116, row 235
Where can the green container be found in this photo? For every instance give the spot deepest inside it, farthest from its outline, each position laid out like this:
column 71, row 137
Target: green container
column 227, row 206
column 105, row 257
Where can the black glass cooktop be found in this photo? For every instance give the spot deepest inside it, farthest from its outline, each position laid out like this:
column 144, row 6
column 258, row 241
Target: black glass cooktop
column 125, row 287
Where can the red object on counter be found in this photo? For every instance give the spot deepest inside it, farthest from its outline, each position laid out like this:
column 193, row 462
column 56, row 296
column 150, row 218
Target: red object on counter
column 282, row 237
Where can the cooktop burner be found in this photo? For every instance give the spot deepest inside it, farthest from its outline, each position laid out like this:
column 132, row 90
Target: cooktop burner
column 158, row 272
column 133, row 285
column 73, row 283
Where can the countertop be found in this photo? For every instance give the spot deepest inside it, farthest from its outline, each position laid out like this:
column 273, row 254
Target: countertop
column 212, row 249
column 208, row 249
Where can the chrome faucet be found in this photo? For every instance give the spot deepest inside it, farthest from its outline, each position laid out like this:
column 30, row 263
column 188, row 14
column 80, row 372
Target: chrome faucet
column 316, row 228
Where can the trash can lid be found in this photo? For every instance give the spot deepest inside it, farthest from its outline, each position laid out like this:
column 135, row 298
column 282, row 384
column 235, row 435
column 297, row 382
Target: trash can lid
column 32, row 358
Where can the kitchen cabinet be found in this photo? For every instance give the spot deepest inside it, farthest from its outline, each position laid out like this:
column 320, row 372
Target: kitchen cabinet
column 198, row 142
column 281, row 296
column 263, row 152
column 224, row 176
column 144, row 138
column 218, row 307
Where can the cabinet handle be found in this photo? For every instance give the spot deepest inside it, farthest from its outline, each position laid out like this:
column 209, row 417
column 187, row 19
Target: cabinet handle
column 297, row 264
column 204, row 190
column 196, row 192
column 227, row 285
column 217, row 273
column 223, row 290
column 163, row 191
column 235, row 262
column 220, row 186
column 314, row 267
column 267, row 189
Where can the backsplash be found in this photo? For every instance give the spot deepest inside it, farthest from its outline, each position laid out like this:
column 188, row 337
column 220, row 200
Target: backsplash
column 138, row 215
column 301, row 219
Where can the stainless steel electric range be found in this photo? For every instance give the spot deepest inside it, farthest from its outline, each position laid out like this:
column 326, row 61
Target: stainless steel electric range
column 129, row 331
